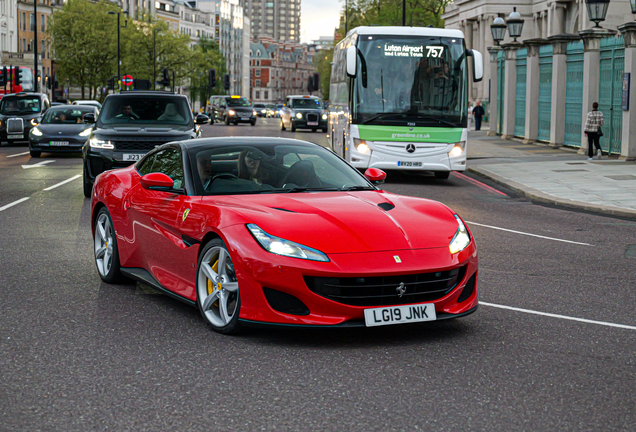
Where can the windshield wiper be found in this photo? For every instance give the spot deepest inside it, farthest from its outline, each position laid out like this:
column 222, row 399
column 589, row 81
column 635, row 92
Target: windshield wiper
column 425, row 117
column 307, row 189
column 379, row 115
column 356, row 188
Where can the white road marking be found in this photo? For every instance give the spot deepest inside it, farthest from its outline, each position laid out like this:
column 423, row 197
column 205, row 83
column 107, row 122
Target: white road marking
column 63, row 183
column 38, row 165
column 565, row 317
column 528, row 234
column 18, row 154
column 13, row 203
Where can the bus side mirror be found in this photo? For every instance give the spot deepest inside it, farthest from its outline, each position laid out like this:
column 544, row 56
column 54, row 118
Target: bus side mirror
column 352, row 59
column 478, row 64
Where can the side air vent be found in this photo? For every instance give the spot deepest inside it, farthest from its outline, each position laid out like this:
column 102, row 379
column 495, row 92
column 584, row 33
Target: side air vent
column 282, row 209
column 386, row 206
column 285, row 303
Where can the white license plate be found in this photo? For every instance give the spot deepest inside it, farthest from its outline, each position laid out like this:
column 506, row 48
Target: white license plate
column 133, row 156
column 312, row 123
column 399, row 314
column 60, row 143
column 245, row 118
column 15, row 136
column 409, row 164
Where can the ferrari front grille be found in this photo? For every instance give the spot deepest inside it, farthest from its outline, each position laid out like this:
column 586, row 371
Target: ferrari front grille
column 387, row 290
column 15, row 125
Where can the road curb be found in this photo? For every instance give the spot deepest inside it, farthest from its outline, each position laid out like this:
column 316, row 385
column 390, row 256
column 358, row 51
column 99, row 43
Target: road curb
column 540, row 197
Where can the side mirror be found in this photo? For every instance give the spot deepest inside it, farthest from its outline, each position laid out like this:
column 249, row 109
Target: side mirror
column 352, row 61
column 478, row 64
column 157, row 181
column 375, row 175
column 89, row 118
column 201, row 119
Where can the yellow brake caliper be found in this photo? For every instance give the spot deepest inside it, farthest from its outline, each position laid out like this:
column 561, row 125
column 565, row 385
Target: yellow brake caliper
column 211, row 286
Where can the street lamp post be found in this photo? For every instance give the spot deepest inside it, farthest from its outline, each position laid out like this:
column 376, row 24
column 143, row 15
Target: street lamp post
column 597, row 10
column 498, row 29
column 35, row 45
column 118, row 40
column 154, row 55
column 515, row 24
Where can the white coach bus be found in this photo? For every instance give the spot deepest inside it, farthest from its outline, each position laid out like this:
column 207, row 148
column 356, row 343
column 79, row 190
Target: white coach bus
column 399, row 98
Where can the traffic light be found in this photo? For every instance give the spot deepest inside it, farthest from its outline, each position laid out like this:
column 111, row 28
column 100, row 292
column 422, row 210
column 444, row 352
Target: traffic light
column 3, row 78
column 47, row 82
column 17, row 76
column 316, row 81
column 165, row 78
column 226, row 82
column 212, row 78
column 310, row 83
column 111, row 83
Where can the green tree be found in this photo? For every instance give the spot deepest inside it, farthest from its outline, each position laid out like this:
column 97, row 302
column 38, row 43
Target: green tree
column 205, row 56
column 323, row 67
column 84, row 43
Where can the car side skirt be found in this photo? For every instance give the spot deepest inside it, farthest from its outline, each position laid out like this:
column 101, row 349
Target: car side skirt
column 143, row 276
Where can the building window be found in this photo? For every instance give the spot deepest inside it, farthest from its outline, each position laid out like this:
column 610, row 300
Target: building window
column 42, row 23
column 258, row 84
column 32, row 22
column 266, row 94
column 257, row 72
column 257, row 94
column 24, row 47
column 23, row 21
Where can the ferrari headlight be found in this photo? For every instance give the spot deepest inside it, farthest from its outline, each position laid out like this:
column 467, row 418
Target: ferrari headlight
column 34, row 122
column 458, row 149
column 284, row 247
column 231, row 112
column 98, row 143
column 324, row 116
column 86, row 132
column 299, row 115
column 461, row 239
column 35, row 131
column 361, row 145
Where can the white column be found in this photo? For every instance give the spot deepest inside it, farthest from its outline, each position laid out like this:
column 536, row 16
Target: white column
column 488, row 70
column 510, row 87
column 628, row 145
column 532, row 91
column 559, row 82
column 493, row 51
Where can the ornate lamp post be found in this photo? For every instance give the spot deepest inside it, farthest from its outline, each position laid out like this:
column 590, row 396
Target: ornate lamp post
column 633, row 5
column 515, row 24
column 597, row 10
column 119, row 26
column 498, row 29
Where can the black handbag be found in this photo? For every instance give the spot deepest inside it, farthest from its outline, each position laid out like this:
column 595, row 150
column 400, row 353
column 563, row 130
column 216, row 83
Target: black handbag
column 599, row 132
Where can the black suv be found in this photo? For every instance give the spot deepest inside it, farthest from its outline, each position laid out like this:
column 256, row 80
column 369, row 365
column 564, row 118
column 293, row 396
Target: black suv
column 131, row 124
column 232, row 109
column 19, row 113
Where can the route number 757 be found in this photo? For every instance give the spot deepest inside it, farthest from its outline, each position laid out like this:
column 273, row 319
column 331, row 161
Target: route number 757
column 434, row 51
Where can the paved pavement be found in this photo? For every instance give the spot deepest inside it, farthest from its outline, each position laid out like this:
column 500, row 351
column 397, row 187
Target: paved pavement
column 556, row 176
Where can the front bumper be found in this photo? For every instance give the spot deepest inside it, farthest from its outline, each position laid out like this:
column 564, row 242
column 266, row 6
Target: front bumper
column 257, row 269
column 4, row 137
column 238, row 118
column 435, row 161
column 304, row 124
column 44, row 144
column 106, row 159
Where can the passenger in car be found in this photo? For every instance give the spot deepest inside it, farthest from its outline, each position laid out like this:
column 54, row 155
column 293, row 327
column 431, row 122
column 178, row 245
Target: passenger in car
column 252, row 166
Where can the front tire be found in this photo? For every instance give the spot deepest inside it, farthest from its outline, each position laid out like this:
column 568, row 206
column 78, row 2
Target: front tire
column 293, row 127
column 441, row 175
column 218, row 295
column 35, row 153
column 282, row 124
column 253, row 123
column 106, row 250
column 88, row 186
column 227, row 121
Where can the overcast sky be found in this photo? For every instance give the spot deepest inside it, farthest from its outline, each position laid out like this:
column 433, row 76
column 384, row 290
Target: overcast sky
column 318, row 18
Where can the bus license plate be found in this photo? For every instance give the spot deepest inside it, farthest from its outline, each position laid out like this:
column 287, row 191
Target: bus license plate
column 409, row 164
column 15, row 136
column 399, row 314
column 133, row 156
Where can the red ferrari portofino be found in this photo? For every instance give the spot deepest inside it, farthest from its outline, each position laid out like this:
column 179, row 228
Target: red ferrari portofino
column 280, row 231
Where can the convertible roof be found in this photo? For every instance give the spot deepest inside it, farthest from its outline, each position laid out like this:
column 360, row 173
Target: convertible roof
column 229, row 141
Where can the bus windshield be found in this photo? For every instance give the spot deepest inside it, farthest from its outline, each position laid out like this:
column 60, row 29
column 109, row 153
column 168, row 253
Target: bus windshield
column 410, row 80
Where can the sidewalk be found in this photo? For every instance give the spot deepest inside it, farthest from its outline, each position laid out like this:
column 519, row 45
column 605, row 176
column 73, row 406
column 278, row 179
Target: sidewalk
column 556, row 176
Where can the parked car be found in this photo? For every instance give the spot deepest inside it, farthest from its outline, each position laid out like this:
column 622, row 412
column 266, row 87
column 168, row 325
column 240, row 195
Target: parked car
column 62, row 130
column 232, row 109
column 131, row 124
column 303, row 112
column 19, row 113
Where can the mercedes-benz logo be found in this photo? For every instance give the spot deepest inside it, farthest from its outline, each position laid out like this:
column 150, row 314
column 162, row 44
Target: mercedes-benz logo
column 410, row 148
column 401, row 289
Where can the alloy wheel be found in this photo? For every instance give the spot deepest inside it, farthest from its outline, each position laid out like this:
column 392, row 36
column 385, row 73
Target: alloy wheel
column 103, row 244
column 217, row 287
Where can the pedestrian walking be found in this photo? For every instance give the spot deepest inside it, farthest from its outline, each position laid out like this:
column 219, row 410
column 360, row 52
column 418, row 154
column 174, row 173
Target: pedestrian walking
column 593, row 131
column 478, row 113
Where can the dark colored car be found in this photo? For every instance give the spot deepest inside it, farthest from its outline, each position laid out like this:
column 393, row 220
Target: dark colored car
column 133, row 123
column 61, row 130
column 303, row 112
column 19, row 113
column 232, row 109
column 261, row 109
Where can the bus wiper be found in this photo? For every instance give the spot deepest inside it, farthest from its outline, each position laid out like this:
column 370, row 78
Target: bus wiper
column 380, row 115
column 425, row 117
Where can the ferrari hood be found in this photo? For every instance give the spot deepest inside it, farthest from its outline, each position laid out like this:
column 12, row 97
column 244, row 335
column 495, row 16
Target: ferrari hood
column 341, row 222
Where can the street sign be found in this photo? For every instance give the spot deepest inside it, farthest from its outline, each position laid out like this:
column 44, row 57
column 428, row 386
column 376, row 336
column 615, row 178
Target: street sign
column 127, row 80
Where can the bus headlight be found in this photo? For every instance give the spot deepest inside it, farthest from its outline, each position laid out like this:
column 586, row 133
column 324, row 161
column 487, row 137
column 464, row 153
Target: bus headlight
column 458, row 149
column 361, row 145
column 299, row 115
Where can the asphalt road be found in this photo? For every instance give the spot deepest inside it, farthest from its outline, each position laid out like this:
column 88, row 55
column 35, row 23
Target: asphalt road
column 79, row 355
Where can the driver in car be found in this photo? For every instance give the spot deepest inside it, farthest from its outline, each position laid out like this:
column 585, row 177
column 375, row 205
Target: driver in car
column 127, row 112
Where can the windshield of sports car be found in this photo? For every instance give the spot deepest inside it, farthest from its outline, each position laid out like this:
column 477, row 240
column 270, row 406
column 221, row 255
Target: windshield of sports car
column 238, row 102
column 14, row 105
column 271, row 168
column 306, row 103
column 69, row 115
column 147, row 110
